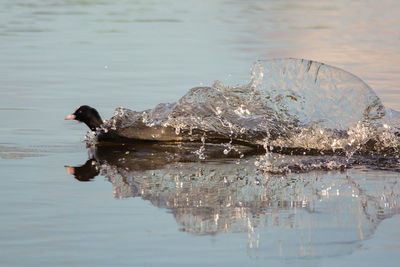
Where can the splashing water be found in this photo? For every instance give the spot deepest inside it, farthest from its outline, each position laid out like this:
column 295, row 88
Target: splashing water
column 290, row 106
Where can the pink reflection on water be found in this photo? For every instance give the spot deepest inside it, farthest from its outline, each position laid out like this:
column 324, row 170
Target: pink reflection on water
column 362, row 37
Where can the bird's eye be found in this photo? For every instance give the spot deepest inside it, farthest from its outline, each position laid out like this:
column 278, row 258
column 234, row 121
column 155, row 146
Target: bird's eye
column 80, row 111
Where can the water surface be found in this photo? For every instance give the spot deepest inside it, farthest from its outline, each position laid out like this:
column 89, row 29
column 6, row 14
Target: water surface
column 61, row 54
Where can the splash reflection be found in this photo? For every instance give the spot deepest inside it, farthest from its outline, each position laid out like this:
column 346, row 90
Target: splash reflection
column 311, row 215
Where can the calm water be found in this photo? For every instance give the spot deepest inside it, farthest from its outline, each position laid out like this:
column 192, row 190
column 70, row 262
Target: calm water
column 56, row 55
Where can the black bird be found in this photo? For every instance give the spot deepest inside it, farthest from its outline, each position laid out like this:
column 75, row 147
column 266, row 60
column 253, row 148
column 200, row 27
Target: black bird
column 138, row 131
column 140, row 134
column 88, row 115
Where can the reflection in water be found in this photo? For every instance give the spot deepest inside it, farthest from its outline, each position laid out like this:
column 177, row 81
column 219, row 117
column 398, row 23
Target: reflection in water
column 311, row 215
column 86, row 172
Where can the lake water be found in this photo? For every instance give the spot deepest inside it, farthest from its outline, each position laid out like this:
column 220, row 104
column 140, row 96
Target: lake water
column 57, row 55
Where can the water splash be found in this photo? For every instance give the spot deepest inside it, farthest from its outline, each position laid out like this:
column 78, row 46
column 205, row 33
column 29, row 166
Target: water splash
column 290, row 106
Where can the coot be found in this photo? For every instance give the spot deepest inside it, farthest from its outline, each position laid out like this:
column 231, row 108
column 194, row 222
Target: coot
column 88, row 115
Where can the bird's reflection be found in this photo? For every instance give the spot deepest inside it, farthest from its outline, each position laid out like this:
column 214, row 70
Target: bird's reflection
column 318, row 213
column 152, row 156
column 86, row 172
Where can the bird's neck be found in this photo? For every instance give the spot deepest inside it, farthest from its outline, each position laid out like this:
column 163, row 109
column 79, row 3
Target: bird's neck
column 96, row 123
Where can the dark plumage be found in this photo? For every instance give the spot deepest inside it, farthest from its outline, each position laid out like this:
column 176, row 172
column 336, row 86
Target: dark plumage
column 88, row 115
